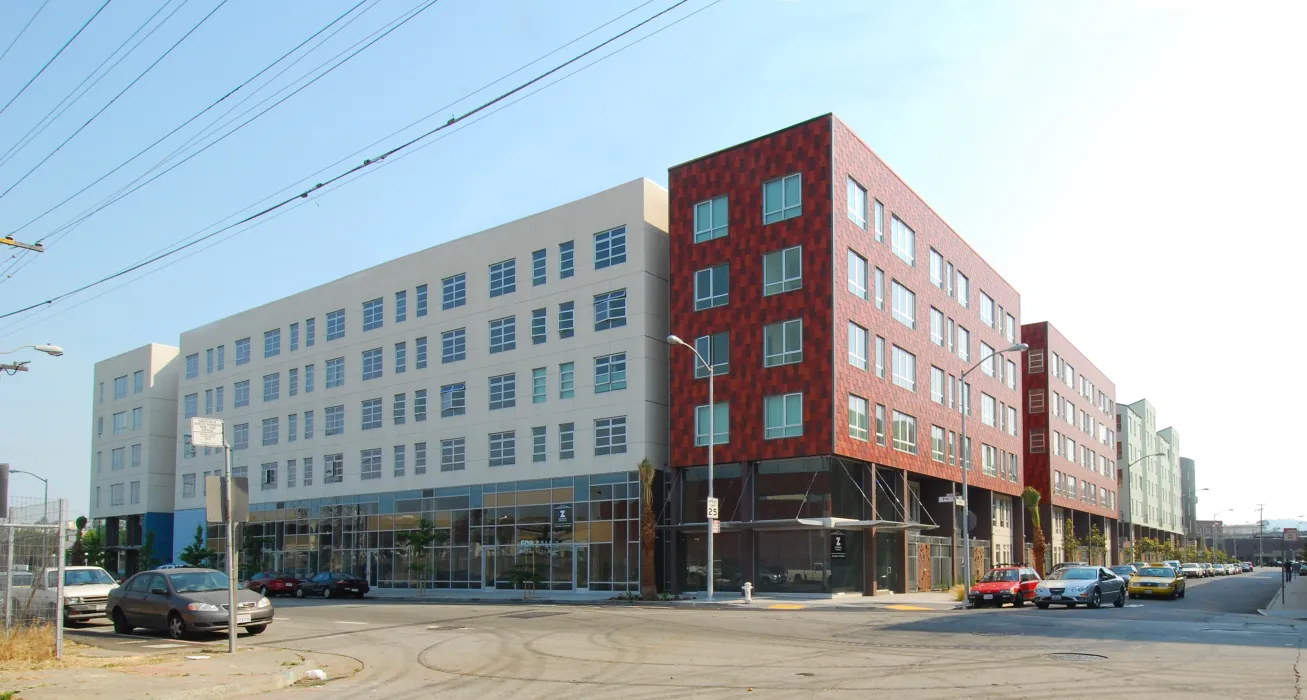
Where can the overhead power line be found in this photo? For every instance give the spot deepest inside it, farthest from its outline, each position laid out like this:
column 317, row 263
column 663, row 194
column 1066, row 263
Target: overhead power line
column 56, row 55
column 381, row 159
column 122, row 92
column 23, row 31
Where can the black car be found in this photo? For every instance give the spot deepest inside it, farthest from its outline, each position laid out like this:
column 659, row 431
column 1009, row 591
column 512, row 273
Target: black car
column 332, row 585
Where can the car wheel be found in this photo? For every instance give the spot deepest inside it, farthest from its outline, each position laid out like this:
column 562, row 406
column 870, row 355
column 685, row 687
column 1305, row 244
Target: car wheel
column 1041, row 606
column 1019, row 601
column 1120, row 601
column 176, row 626
column 1096, row 599
column 1182, row 591
column 299, row 592
column 120, row 624
column 262, row 590
column 326, row 592
column 256, row 629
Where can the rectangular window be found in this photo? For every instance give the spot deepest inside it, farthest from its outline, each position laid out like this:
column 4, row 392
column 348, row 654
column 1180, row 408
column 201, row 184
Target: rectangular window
column 936, row 326
column 271, row 431
column 858, row 343
column 503, row 449
column 936, row 385
column 292, row 427
column 783, row 416
column 610, row 248
column 539, row 267
column 374, row 314
column 401, row 306
column 566, row 440
column 335, row 420
column 1011, row 331
column 610, row 373
column 783, row 343
column 988, row 409
column 192, row 369
column 712, row 287
column 964, row 344
column 566, row 380
column 272, row 386
column 116, row 495
column 988, row 359
column 419, row 405
column 710, row 220
column 610, row 436
column 290, row 473
column 964, row 290
column 310, row 331
column 857, row 204
column 453, row 345
column 420, row 353
column 453, row 400
column 905, row 433
column 988, row 460
column 136, row 455
column 1011, row 375
column 880, row 357
column 879, row 283
column 567, row 319
column 857, row 275
column 137, row 413
column 859, row 418
column 610, row 310
column 880, row 424
column 222, row 357
column 937, row 443
column 880, row 222
column 986, row 310
column 503, row 277
column 242, row 394
column 566, row 260
column 308, row 471
column 453, row 455
column 335, row 324
column 539, row 326
column 120, row 419
column 905, row 305
column 936, row 268
column 138, row 381
column 503, row 391
column 503, row 334
column 715, row 348
column 399, row 407
column 371, row 414
column 217, row 399
column 294, row 337
column 208, row 364
column 292, row 381
column 268, row 480
column 240, row 436
column 333, row 468
column 188, row 486
column 539, row 444
column 370, row 464
column 400, row 455
column 782, row 271
column 453, row 291
column 120, row 385
column 782, row 199
column 242, row 352
column 117, row 459
column 401, row 358
column 372, row 364
column 419, row 458
column 721, row 424
column 905, row 368
column 1035, row 401
column 539, row 385
column 421, row 308
column 903, row 241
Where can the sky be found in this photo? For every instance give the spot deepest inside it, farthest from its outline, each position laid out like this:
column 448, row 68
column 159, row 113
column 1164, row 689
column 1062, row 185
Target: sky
column 1132, row 168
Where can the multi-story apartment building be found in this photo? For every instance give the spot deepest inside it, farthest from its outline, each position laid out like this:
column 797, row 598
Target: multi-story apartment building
column 133, row 447
column 1070, row 442
column 1150, row 497
column 1189, row 490
column 838, row 311
column 503, row 386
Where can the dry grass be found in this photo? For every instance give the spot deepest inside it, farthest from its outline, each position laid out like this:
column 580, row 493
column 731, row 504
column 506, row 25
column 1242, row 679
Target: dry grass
column 959, row 592
column 27, row 644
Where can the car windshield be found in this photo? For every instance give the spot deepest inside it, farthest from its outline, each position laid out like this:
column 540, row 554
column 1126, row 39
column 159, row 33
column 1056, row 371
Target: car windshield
column 1000, row 575
column 1123, row 569
column 199, row 582
column 1079, row 572
column 1162, row 571
column 87, row 577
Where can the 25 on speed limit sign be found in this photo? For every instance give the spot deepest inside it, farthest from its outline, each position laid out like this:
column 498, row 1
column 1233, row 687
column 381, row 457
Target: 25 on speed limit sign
column 712, row 508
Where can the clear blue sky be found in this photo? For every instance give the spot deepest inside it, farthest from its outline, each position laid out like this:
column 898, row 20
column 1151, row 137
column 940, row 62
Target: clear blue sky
column 1131, row 167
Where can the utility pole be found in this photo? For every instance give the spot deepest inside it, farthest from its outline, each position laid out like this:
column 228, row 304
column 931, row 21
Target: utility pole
column 1261, row 527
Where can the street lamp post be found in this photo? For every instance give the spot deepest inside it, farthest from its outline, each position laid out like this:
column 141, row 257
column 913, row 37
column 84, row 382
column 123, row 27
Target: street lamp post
column 712, row 442
column 45, row 507
column 966, row 458
column 16, row 367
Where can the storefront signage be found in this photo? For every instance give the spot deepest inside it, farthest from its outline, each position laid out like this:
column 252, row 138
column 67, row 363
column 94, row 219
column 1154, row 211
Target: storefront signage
column 563, row 515
column 838, row 544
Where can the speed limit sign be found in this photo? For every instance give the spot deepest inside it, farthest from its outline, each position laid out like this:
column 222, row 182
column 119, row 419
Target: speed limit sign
column 712, row 508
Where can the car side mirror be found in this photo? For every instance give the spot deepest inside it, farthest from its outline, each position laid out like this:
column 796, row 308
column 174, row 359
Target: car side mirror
column 159, row 591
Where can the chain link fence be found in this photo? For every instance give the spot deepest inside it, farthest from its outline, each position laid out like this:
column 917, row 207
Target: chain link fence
column 31, row 561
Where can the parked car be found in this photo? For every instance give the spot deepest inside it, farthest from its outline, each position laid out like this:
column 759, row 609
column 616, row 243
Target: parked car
column 1125, row 571
column 1173, row 563
column 1091, row 585
column 1005, row 584
column 86, row 588
column 330, row 585
column 1247, row 566
column 1208, row 569
column 1065, row 565
column 1191, row 570
column 1156, row 582
column 272, row 583
column 184, row 601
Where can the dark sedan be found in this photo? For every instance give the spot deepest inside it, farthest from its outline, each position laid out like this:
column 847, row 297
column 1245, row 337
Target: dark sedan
column 184, row 601
column 271, row 583
column 333, row 585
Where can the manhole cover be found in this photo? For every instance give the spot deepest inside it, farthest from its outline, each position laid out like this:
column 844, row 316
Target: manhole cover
column 1076, row 658
column 534, row 614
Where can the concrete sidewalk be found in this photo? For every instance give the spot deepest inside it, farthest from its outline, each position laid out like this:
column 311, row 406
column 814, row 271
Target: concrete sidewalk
column 177, row 675
column 1291, row 602
column 929, row 600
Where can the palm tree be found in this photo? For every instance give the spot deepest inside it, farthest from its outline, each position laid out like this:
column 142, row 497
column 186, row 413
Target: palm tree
column 648, row 587
column 1031, row 499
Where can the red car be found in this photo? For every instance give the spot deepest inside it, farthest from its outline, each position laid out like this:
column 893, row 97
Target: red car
column 271, row 583
column 1005, row 584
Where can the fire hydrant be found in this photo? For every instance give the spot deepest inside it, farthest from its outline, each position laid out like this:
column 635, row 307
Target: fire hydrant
column 748, row 592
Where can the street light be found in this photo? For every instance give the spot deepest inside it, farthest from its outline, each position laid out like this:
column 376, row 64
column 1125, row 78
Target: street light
column 16, row 367
column 966, row 458
column 712, row 441
column 45, row 507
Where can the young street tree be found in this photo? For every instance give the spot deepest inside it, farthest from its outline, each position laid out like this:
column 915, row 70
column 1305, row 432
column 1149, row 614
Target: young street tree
column 648, row 586
column 1030, row 497
column 195, row 553
column 417, row 541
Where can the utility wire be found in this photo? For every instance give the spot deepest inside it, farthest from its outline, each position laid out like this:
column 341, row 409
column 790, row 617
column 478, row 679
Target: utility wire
column 23, row 30
column 381, row 159
column 56, row 55
column 115, row 97
column 47, row 120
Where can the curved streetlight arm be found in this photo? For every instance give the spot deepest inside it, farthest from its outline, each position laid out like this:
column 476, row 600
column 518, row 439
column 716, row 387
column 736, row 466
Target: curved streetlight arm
column 1155, row 454
column 710, row 567
column 52, row 350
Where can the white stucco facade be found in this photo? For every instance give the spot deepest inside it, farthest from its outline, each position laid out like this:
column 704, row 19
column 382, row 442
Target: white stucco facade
column 1150, row 461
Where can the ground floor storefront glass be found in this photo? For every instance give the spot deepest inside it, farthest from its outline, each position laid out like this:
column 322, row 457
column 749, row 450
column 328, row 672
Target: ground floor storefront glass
column 575, row 533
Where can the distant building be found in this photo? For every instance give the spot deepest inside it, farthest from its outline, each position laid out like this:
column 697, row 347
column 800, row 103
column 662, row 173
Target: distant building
column 1189, row 489
column 1150, row 477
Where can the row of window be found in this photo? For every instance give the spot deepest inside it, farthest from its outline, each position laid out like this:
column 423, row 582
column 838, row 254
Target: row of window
column 120, row 385
column 120, row 422
column 610, row 249
column 1066, row 485
column 116, row 494
column 118, row 458
column 1064, row 446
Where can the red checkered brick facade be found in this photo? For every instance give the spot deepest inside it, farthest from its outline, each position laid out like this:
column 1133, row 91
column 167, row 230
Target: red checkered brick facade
column 827, row 153
column 1045, row 340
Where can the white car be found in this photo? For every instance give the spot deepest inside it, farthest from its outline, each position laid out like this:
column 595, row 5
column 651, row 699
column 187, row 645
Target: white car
column 1090, row 585
column 86, row 589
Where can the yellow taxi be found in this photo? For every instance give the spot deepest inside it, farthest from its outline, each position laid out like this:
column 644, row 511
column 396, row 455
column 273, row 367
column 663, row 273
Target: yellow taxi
column 1157, row 581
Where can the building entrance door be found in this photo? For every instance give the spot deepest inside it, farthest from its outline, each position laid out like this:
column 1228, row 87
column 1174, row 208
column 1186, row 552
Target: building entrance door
column 581, row 567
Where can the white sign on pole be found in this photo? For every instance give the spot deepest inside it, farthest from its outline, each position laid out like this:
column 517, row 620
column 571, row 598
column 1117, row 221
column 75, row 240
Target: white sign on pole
column 206, row 432
column 953, row 498
column 712, row 508
column 716, row 527
column 1290, row 534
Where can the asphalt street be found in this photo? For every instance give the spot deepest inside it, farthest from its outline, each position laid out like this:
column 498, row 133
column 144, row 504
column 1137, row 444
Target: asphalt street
column 1201, row 646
